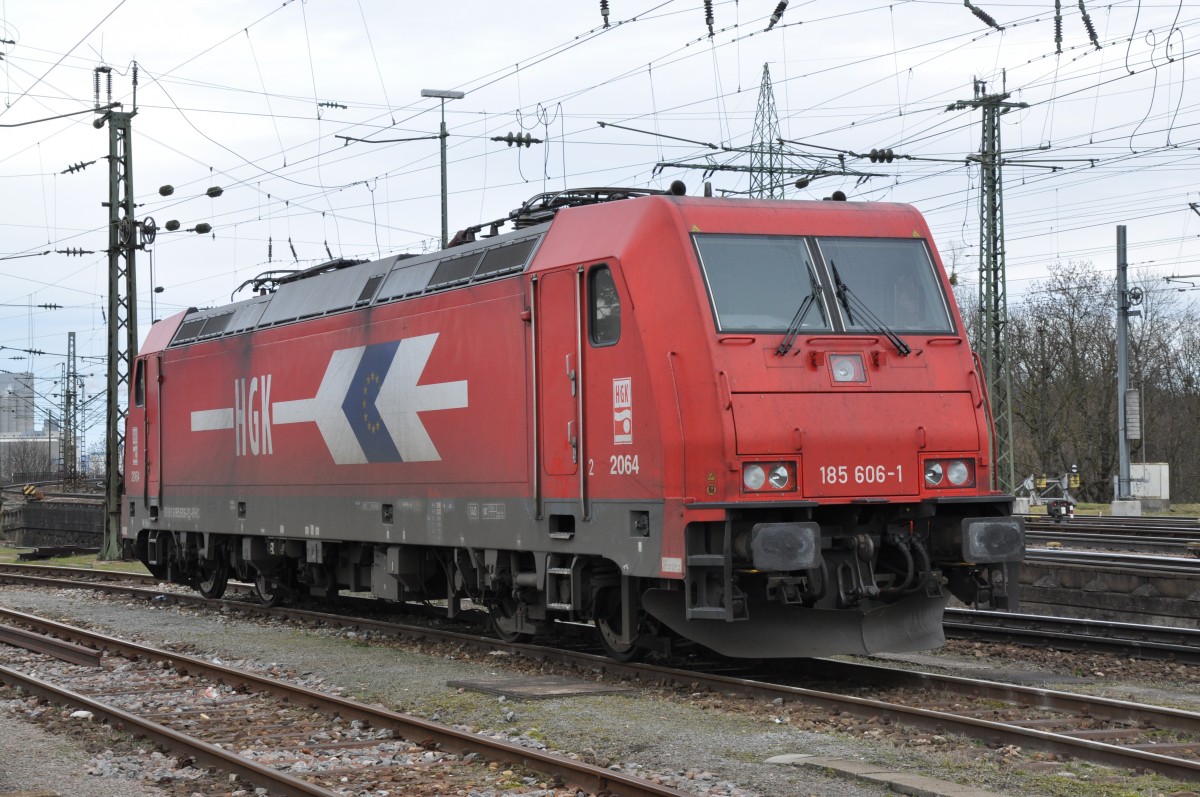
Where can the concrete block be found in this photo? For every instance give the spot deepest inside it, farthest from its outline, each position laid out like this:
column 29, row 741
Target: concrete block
column 1127, row 508
column 899, row 782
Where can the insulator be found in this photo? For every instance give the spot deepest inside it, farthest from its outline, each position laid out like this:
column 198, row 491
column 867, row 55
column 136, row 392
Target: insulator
column 202, row 228
column 293, row 248
column 982, row 15
column 888, row 155
column 708, row 16
column 604, row 11
column 172, row 225
column 1087, row 23
column 270, row 248
column 1058, row 26
column 327, row 252
column 166, row 190
column 215, row 191
column 775, row 17
column 520, row 140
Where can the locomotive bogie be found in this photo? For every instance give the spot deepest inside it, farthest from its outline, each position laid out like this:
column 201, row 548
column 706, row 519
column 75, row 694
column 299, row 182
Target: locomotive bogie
column 754, row 425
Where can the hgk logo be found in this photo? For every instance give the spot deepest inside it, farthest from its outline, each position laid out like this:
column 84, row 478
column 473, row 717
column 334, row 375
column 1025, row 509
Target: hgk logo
column 252, row 415
column 367, row 407
column 623, row 411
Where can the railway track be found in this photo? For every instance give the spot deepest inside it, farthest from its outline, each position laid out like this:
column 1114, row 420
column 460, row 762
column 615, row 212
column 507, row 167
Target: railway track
column 1065, row 633
column 1132, row 563
column 1167, row 535
column 279, row 736
column 1111, row 732
column 1129, row 640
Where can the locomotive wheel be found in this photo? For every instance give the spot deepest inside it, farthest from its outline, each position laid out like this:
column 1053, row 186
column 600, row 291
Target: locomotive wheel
column 267, row 590
column 503, row 612
column 607, row 619
column 212, row 578
column 159, row 571
column 609, row 634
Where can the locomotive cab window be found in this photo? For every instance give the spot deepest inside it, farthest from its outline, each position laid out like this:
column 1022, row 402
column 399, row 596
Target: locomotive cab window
column 887, row 280
column 139, row 384
column 604, row 307
column 761, row 283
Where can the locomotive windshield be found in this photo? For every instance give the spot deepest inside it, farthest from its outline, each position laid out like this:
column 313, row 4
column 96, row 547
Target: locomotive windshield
column 892, row 277
column 757, row 281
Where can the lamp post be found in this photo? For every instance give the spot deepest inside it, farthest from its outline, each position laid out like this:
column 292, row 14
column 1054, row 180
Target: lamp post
column 443, row 95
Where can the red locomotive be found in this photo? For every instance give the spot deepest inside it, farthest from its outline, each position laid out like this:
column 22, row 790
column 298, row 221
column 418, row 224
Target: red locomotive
column 755, row 424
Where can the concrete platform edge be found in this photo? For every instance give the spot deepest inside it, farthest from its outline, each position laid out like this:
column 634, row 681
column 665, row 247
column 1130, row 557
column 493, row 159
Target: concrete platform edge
column 899, row 782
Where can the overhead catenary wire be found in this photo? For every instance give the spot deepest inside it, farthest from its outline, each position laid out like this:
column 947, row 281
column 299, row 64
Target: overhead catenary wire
column 568, row 133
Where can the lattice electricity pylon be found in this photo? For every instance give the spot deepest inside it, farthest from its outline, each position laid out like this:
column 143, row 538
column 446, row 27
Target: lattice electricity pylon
column 123, row 232
column 993, row 291
column 766, row 153
column 70, row 416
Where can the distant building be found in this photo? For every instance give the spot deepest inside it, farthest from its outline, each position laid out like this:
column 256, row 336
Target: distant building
column 16, row 404
column 27, row 453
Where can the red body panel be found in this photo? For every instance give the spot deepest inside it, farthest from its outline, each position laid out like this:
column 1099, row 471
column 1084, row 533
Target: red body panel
column 482, row 446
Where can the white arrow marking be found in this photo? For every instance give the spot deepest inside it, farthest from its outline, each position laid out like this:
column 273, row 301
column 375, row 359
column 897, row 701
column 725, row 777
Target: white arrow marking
column 401, row 398
column 325, row 409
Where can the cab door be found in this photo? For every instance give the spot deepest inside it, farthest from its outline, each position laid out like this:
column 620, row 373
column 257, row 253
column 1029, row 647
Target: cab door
column 152, row 440
column 558, row 388
column 556, row 333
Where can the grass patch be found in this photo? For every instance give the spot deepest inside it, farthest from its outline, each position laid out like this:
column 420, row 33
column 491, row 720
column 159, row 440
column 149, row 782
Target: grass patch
column 9, row 554
column 1094, row 510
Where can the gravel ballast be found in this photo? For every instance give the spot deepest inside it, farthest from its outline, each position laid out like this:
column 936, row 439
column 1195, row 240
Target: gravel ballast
column 700, row 743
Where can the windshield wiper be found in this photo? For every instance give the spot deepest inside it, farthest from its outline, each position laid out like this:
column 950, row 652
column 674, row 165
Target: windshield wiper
column 847, row 298
column 789, row 339
column 840, row 290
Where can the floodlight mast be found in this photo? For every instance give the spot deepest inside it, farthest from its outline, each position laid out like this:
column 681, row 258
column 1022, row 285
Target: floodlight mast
column 443, row 95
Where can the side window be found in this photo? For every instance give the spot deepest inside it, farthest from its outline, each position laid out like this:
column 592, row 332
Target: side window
column 139, row 384
column 604, row 307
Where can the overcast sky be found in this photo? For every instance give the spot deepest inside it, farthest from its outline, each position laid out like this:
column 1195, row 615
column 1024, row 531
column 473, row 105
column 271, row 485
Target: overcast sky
column 252, row 95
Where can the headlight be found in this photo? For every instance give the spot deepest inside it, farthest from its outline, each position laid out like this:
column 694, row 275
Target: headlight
column 768, row 477
column 947, row 473
column 754, row 477
column 779, row 477
column 847, row 368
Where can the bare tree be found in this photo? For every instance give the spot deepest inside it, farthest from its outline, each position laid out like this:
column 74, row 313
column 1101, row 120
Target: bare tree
column 1062, row 352
column 24, row 457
